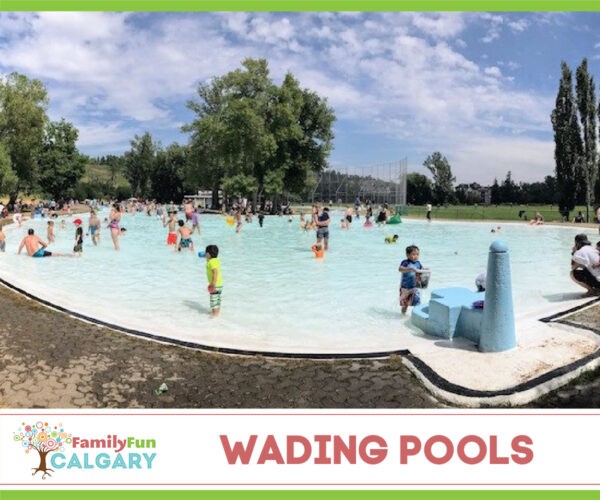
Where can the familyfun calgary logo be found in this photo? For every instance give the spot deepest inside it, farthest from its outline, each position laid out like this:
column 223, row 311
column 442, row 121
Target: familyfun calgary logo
column 58, row 449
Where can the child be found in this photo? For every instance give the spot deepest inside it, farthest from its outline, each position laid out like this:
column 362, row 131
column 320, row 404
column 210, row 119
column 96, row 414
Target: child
column 214, row 277
column 2, row 240
column 410, row 269
column 391, row 239
column 50, row 232
column 78, row 248
column 94, row 227
column 185, row 233
column 480, row 282
column 317, row 249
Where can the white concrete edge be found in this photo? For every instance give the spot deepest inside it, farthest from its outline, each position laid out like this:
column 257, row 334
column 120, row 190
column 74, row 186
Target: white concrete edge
column 508, row 400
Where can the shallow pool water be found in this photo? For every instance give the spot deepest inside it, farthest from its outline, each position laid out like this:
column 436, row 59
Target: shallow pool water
column 277, row 297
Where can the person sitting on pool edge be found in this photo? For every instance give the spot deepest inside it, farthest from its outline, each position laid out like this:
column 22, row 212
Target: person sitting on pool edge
column 583, row 266
column 36, row 246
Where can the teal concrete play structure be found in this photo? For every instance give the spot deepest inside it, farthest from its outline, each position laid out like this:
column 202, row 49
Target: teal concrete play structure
column 450, row 312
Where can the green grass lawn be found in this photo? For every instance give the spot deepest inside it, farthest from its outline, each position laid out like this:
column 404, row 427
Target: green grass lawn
column 496, row 212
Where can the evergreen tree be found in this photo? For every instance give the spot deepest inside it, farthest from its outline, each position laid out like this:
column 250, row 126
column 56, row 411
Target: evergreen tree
column 586, row 104
column 567, row 142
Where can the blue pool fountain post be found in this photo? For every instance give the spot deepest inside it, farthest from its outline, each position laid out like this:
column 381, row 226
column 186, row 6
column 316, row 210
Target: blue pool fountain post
column 498, row 324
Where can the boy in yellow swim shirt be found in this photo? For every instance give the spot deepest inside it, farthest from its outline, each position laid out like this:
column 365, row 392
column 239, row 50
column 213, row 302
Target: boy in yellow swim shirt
column 214, row 277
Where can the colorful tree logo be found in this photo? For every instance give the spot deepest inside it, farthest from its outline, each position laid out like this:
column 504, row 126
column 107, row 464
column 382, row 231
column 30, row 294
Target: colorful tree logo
column 44, row 439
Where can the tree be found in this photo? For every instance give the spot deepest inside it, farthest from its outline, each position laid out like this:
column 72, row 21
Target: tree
column 23, row 104
column 442, row 177
column 8, row 178
column 509, row 191
column 139, row 163
column 167, row 176
column 61, row 166
column 568, row 148
column 586, row 104
column 495, row 196
column 44, row 439
column 247, row 127
column 418, row 189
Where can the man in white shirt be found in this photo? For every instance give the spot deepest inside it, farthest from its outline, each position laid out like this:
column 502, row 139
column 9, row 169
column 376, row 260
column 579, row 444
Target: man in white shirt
column 585, row 265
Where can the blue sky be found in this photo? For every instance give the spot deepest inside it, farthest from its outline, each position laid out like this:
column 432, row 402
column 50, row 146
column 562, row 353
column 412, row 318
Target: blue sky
column 478, row 87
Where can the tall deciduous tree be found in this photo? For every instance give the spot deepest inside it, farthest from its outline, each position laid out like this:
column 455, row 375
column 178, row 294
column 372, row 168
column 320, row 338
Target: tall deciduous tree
column 568, row 148
column 252, row 132
column 418, row 189
column 586, row 104
column 23, row 104
column 61, row 166
column 167, row 176
column 443, row 180
column 8, row 178
column 139, row 163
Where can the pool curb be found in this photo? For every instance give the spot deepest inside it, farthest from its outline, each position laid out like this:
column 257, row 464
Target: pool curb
column 440, row 387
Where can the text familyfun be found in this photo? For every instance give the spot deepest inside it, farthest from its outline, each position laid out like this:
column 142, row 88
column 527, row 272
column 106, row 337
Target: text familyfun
column 113, row 442
column 324, row 449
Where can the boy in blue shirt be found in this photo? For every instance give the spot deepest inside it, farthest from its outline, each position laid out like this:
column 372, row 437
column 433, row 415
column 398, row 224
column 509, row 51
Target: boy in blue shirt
column 410, row 268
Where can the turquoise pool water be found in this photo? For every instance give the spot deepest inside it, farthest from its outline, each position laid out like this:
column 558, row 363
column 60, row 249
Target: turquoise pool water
column 277, row 296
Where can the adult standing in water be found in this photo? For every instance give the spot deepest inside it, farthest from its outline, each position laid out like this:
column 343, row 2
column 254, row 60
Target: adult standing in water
column 114, row 218
column 323, row 221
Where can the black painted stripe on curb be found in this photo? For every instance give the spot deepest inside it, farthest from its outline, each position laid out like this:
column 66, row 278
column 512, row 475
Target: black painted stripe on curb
column 553, row 317
column 427, row 372
column 459, row 390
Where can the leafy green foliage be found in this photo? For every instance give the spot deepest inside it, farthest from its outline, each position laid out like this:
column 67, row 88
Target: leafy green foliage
column 443, row 180
column 251, row 135
column 61, row 166
column 23, row 104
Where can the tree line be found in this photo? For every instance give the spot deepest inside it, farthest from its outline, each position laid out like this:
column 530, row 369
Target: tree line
column 252, row 138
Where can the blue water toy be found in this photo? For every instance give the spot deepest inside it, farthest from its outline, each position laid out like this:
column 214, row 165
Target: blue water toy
column 201, row 254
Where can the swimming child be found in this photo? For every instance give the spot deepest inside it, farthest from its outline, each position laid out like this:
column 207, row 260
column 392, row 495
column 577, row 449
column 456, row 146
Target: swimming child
column 50, row 232
column 410, row 268
column 185, row 240
column 344, row 224
column 94, row 227
column 391, row 239
column 2, row 240
column 214, row 277
column 63, row 224
column 368, row 222
column 317, row 249
column 78, row 248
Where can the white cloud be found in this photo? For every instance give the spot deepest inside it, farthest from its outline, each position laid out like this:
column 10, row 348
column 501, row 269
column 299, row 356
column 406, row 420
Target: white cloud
column 411, row 78
column 440, row 25
column 493, row 71
column 487, row 157
column 520, row 25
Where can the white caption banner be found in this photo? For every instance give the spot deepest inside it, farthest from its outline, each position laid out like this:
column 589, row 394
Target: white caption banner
column 295, row 449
